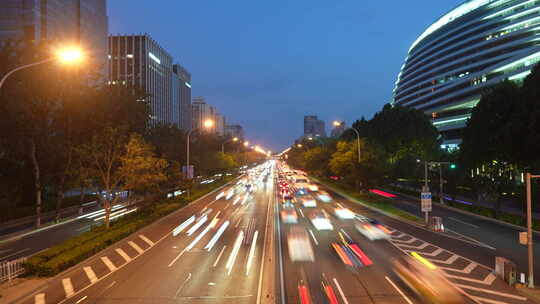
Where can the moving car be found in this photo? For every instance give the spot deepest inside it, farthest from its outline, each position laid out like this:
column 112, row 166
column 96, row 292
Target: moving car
column 324, row 197
column 308, row 202
column 426, row 280
column 289, row 216
column 372, row 230
column 349, row 252
column 344, row 213
column 299, row 244
column 320, row 220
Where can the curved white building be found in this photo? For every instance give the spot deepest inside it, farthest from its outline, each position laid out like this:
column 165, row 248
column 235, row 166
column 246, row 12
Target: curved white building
column 477, row 44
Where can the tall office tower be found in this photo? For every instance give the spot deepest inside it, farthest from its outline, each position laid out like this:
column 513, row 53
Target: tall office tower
column 61, row 22
column 234, row 131
column 220, row 124
column 313, row 126
column 201, row 111
column 182, row 96
column 140, row 62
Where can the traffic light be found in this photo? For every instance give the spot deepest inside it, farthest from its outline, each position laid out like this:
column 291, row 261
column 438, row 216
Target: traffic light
column 452, row 166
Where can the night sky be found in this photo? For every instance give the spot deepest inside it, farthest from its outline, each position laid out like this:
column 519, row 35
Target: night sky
column 265, row 64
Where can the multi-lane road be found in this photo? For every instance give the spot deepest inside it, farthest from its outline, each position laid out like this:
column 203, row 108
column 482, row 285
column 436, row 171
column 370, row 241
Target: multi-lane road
column 226, row 248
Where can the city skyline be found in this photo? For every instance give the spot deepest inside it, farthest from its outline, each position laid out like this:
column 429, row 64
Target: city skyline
column 272, row 75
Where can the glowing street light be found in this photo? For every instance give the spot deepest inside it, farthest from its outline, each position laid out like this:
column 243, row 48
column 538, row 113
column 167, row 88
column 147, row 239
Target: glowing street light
column 235, row 139
column 246, row 143
column 207, row 125
column 340, row 123
column 65, row 56
column 299, row 145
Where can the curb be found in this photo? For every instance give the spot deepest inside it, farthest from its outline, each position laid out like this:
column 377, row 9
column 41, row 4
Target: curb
column 517, row 227
column 50, row 280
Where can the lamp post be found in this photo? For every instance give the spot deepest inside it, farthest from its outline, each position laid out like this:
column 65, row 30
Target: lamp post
column 235, row 139
column 65, row 56
column 337, row 124
column 530, row 247
column 207, row 124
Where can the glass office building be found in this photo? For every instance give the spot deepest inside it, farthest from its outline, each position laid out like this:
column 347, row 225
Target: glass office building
column 474, row 46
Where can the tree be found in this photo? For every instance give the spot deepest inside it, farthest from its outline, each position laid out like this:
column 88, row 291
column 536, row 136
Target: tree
column 140, row 169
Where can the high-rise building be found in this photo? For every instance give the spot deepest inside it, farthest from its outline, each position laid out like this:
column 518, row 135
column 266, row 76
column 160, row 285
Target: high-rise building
column 219, row 120
column 139, row 61
column 201, row 111
column 337, row 130
column 181, row 97
column 313, row 126
column 471, row 48
column 234, row 131
column 63, row 22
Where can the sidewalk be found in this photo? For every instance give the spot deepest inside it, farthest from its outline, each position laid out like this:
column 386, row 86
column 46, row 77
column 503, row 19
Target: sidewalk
column 10, row 291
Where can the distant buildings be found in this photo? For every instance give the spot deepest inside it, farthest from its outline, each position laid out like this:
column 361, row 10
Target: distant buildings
column 219, row 121
column 65, row 22
column 234, row 131
column 313, row 126
column 182, row 96
column 338, row 130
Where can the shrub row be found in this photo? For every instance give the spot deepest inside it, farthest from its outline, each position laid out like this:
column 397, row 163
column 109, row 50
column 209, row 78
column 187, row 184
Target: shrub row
column 60, row 257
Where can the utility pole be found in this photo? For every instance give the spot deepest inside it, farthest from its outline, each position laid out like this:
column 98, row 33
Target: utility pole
column 530, row 253
column 441, row 200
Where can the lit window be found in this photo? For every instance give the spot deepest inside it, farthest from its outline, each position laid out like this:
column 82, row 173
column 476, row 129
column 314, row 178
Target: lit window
column 129, row 56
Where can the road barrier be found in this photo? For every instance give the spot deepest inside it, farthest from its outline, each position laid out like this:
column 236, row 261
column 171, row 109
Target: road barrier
column 11, row 269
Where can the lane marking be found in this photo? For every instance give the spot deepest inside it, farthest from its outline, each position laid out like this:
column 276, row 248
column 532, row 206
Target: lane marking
column 462, row 222
column 39, row 298
column 488, row 280
column 90, row 274
column 68, row 287
column 147, row 240
column 219, row 256
column 341, row 292
column 259, row 290
column 448, row 261
column 108, row 263
column 435, row 253
column 136, row 247
column 182, row 286
column 123, row 254
column 502, row 294
column 176, row 258
column 252, row 251
column 420, row 247
column 15, row 253
column 480, row 299
column 313, row 236
column 398, row 290
column 467, row 269
column 81, row 299
column 301, row 212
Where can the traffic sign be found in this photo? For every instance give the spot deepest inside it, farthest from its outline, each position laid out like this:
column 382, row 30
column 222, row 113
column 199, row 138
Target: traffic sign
column 425, row 199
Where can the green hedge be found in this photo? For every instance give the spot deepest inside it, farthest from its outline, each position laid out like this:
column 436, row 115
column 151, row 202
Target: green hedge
column 60, row 257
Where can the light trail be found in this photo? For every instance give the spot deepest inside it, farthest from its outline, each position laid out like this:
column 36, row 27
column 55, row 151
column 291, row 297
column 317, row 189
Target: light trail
column 216, row 236
column 199, row 223
column 252, row 252
column 182, row 226
column 219, row 256
column 222, row 194
column 236, row 200
column 234, row 253
column 398, row 290
column 199, row 237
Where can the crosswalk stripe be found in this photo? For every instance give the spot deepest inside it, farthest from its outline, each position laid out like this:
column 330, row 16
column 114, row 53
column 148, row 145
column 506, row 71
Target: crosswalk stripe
column 108, row 263
column 467, row 269
column 147, row 240
column 90, row 274
column 436, row 252
column 424, row 245
column 411, row 240
column 502, row 294
column 136, row 247
column 39, row 298
column 448, row 261
column 484, row 300
column 486, row 281
column 123, row 254
column 68, row 287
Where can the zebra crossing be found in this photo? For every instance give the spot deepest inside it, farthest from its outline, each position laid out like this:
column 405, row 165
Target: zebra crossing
column 476, row 280
column 97, row 269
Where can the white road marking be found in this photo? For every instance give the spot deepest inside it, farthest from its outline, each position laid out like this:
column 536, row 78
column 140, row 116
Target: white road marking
column 90, row 274
column 313, row 236
column 136, row 247
column 480, row 299
column 467, row 269
column 108, row 263
column 301, row 212
column 123, row 254
column 448, row 261
column 182, row 286
column 435, row 253
column 502, row 294
column 398, row 290
column 462, row 222
column 252, row 252
column 488, row 280
column 39, row 298
column 219, row 256
column 176, row 258
column 81, row 299
column 341, row 292
column 411, row 240
column 14, row 253
column 68, row 287
column 147, row 240
column 420, row 247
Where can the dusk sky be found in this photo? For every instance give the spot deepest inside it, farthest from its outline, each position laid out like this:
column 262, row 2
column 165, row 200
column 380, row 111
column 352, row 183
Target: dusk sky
column 266, row 64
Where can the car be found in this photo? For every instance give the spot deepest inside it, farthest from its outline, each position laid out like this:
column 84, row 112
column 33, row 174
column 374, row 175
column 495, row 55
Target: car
column 289, row 216
column 308, row 202
column 344, row 213
column 324, row 197
column 320, row 220
column 313, row 188
column 349, row 252
column 372, row 231
column 299, row 244
column 426, row 280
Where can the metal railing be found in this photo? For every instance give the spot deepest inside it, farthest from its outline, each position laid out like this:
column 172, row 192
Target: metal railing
column 11, row 269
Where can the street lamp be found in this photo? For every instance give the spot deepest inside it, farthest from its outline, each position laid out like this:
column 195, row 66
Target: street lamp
column 235, row 139
column 299, row 145
column 65, row 56
column 340, row 123
column 207, row 125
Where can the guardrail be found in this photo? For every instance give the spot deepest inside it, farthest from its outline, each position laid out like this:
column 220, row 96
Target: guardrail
column 11, row 269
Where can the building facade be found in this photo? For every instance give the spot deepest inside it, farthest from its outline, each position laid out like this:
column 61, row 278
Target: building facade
column 471, row 48
column 182, row 96
column 313, row 126
column 219, row 121
column 234, row 131
column 62, row 22
column 338, row 130
column 201, row 111
column 139, row 61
